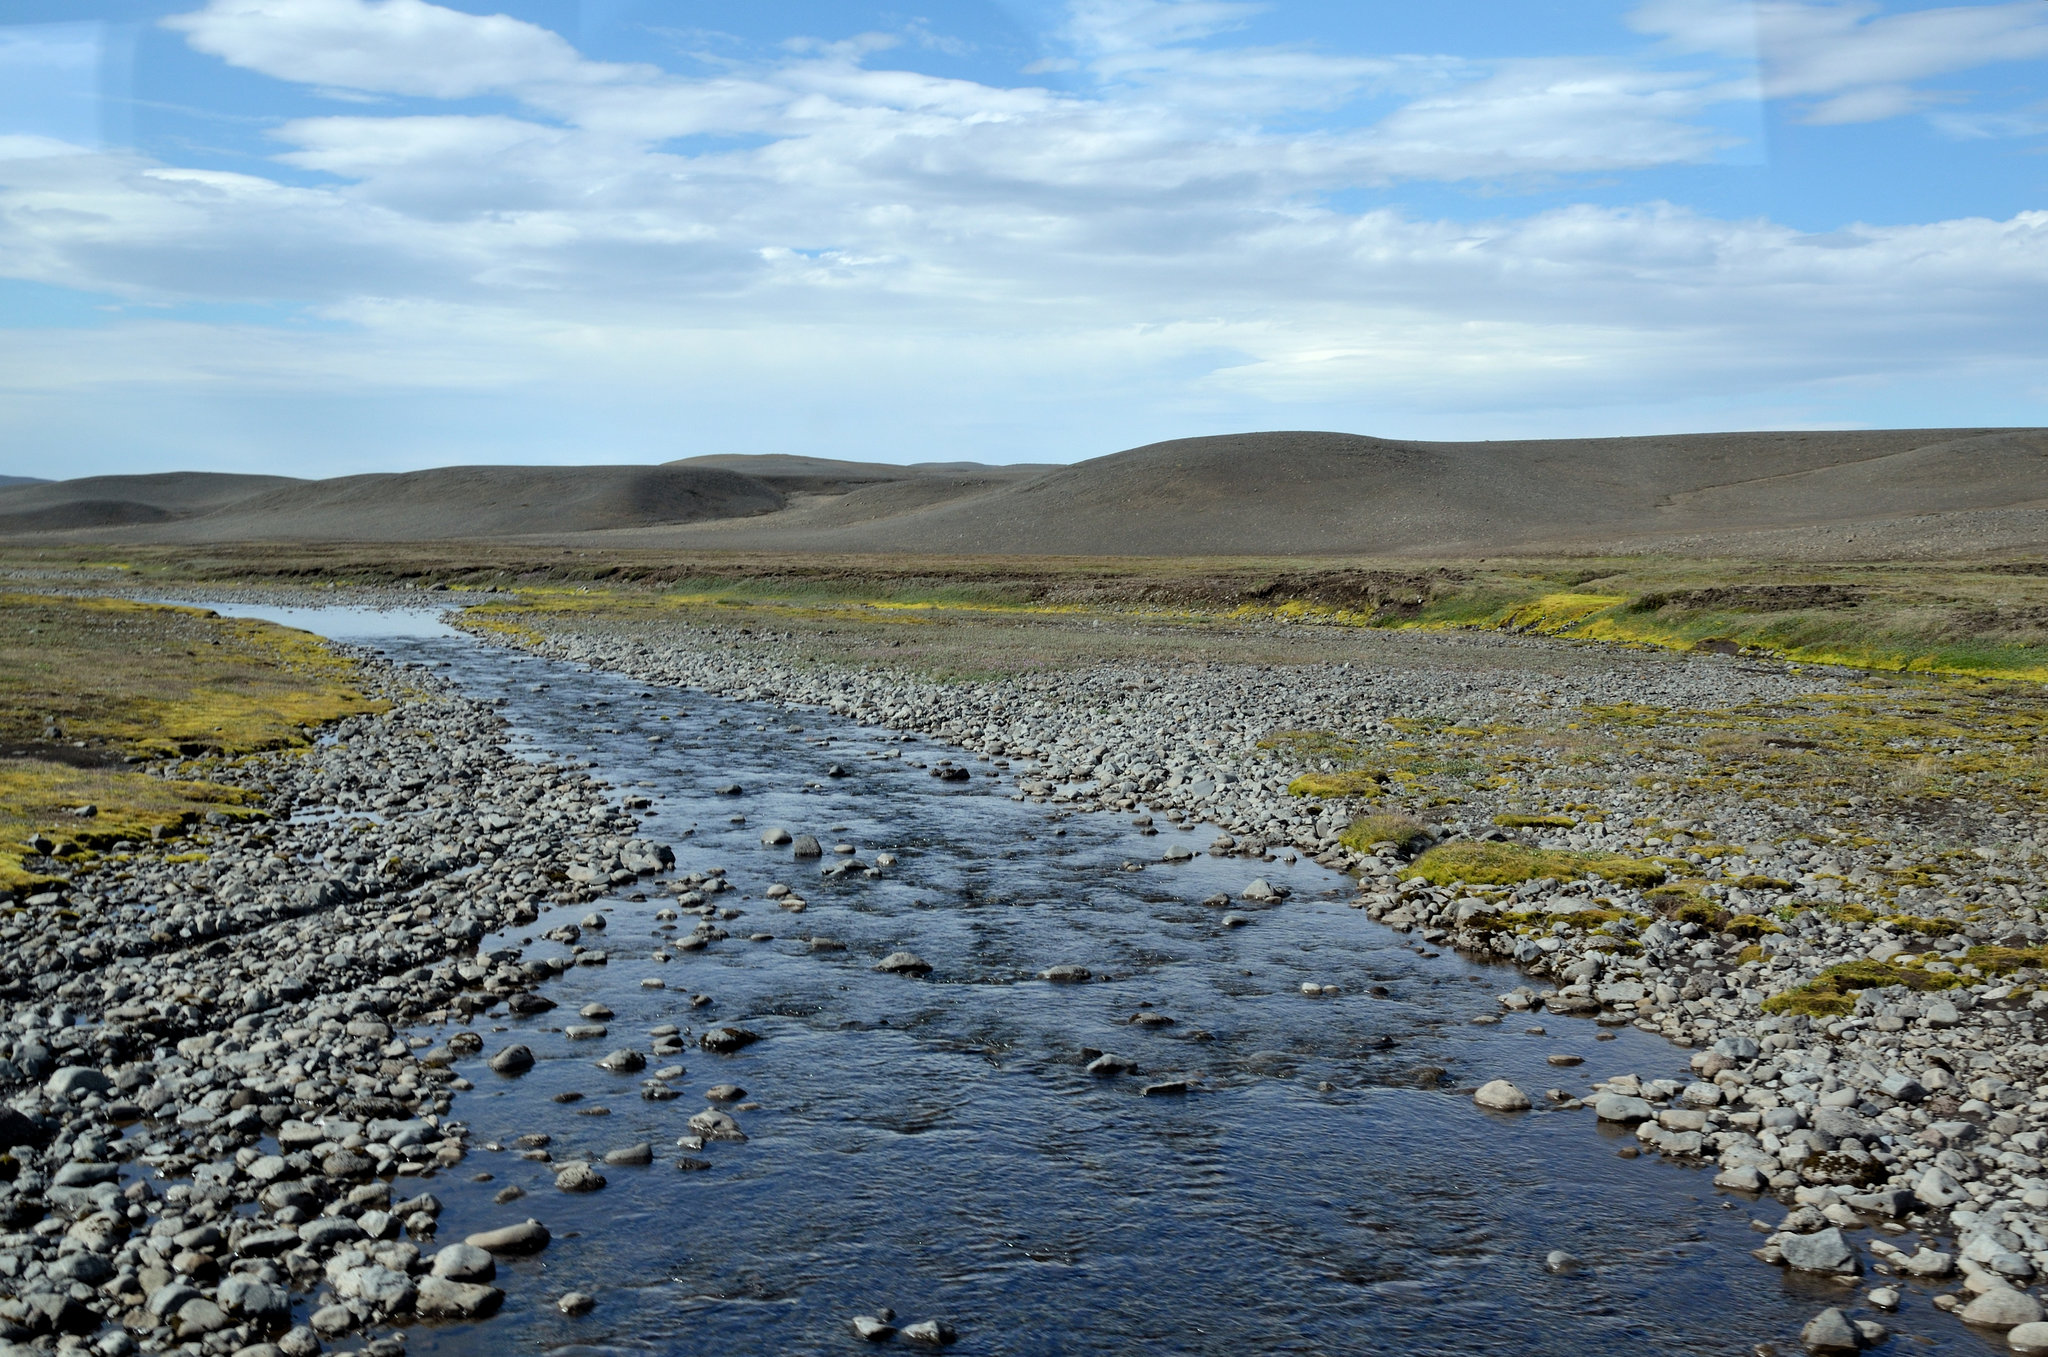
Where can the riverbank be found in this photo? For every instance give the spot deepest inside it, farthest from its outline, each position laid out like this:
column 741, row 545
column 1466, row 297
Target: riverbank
column 220, row 1005
column 1844, row 929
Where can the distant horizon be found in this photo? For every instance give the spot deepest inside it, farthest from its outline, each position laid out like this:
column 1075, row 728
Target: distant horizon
column 14, row 478
column 327, row 237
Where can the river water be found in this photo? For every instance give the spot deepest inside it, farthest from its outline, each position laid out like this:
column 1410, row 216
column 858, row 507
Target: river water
column 937, row 1146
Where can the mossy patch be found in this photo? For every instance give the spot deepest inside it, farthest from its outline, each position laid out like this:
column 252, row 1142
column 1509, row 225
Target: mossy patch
column 1508, row 864
column 1404, row 832
column 41, row 798
column 1832, row 993
column 152, row 681
column 88, row 685
column 1514, row 820
column 1330, row 786
column 1750, row 926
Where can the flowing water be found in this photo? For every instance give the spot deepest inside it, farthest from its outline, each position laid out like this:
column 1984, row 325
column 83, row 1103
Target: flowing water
column 937, row 1146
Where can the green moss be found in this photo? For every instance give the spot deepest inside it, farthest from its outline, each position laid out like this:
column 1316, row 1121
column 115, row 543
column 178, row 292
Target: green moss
column 1330, row 786
column 1514, row 821
column 1930, row 928
column 2005, row 960
column 1832, row 993
column 1403, row 831
column 1508, row 864
column 1750, row 926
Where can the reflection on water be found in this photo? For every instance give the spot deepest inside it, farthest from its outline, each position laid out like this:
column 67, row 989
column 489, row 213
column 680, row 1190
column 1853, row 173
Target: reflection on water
column 938, row 1146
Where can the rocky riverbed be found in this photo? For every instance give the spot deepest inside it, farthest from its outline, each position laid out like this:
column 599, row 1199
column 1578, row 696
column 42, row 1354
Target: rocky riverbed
column 1919, row 1108
column 224, row 1011
column 274, row 1028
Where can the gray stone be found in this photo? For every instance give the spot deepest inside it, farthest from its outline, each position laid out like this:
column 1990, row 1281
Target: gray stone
column 1501, row 1096
column 2002, row 1307
column 253, row 1299
column 512, row 1060
column 76, row 1078
column 529, row 1236
column 807, row 846
column 1065, row 975
column 464, row 1263
column 200, row 1316
column 445, row 1298
column 376, row 1286
column 1830, row 1334
column 904, row 963
column 1620, row 1107
column 1822, row 1251
column 578, row 1176
column 2028, row 1340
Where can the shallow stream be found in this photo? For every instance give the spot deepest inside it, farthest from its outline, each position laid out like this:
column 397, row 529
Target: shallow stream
column 937, row 1146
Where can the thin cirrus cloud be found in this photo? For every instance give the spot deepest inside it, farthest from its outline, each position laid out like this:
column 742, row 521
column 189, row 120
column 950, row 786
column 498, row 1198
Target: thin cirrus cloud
column 1850, row 61
column 1160, row 234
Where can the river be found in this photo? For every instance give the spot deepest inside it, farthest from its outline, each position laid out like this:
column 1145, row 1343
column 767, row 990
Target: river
column 936, row 1145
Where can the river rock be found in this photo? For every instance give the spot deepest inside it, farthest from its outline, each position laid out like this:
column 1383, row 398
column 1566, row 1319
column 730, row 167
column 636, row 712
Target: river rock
column 512, row 1060
column 1501, row 1096
column 1829, row 1334
column 935, row 1332
column 726, row 1040
column 2002, row 1307
column 712, row 1124
column 528, row 1236
column 1620, row 1107
column 1822, row 1251
column 2028, row 1340
column 445, row 1298
column 76, row 1079
column 904, row 963
column 1064, row 975
column 807, row 846
column 774, row 838
column 643, row 1153
column 578, row 1176
column 465, row 1263
column 623, row 1062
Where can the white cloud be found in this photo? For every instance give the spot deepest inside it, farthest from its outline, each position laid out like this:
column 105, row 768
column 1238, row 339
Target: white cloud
column 1853, row 61
column 389, row 46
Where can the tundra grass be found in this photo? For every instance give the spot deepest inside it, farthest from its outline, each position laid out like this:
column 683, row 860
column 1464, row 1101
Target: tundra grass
column 1510, row 864
column 90, row 685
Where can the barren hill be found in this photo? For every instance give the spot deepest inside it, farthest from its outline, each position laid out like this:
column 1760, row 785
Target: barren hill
column 1874, row 493
column 450, row 503
column 1331, row 493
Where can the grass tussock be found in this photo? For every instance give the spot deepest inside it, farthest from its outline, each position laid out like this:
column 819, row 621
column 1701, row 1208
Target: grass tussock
column 1510, row 864
column 1832, row 993
column 1403, row 831
column 1514, row 820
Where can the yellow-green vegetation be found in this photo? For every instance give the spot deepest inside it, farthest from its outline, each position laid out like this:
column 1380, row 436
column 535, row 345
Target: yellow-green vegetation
column 1750, row 926
column 1832, row 993
column 42, row 798
column 154, row 681
column 1931, row 928
column 1404, row 832
column 1518, row 821
column 89, row 684
column 1508, row 864
column 1984, row 619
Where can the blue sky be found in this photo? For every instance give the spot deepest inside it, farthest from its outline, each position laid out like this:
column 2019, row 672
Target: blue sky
column 327, row 236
